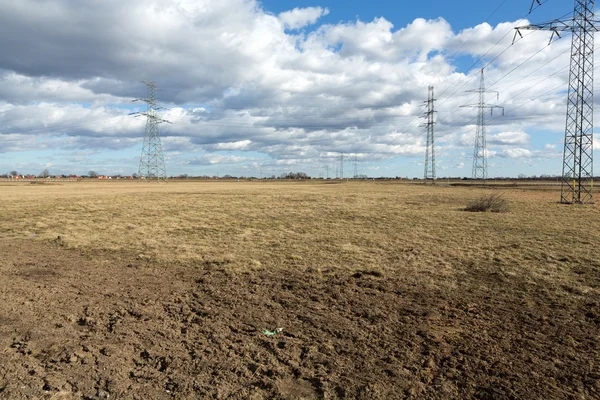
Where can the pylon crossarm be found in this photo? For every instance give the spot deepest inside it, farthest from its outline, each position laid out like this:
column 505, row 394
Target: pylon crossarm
column 484, row 105
column 562, row 25
column 557, row 25
column 479, row 90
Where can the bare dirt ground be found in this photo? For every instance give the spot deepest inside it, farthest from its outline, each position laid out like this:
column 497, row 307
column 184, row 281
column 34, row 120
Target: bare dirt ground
column 105, row 327
column 507, row 321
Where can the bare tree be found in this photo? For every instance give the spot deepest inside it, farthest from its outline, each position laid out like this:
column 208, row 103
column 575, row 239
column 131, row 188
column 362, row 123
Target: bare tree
column 93, row 174
column 14, row 173
column 44, row 174
column 294, row 175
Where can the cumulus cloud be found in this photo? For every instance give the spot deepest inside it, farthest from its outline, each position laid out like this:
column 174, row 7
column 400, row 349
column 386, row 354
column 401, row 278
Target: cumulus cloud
column 237, row 78
column 301, row 17
column 239, row 145
column 212, row 159
column 514, row 153
column 508, row 138
column 523, row 153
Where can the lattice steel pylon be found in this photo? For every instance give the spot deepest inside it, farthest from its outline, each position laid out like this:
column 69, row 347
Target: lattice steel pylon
column 480, row 151
column 342, row 166
column 430, row 150
column 578, row 157
column 356, row 166
column 152, row 160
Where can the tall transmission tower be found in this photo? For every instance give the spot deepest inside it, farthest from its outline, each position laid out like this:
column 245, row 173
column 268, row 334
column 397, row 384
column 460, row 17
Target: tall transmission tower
column 578, row 156
column 480, row 150
column 152, row 160
column 342, row 166
column 327, row 172
column 356, row 166
column 430, row 151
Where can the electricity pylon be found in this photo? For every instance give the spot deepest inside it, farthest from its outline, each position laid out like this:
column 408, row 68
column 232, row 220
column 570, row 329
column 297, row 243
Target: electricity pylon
column 356, row 166
column 578, row 156
column 430, row 151
column 152, row 160
column 480, row 150
column 342, row 166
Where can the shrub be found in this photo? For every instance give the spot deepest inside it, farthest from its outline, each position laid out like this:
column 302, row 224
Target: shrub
column 492, row 202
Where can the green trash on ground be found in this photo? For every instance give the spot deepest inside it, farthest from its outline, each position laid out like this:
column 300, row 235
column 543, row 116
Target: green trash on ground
column 272, row 333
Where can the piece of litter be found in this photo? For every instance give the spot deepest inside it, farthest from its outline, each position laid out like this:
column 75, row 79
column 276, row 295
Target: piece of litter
column 272, row 333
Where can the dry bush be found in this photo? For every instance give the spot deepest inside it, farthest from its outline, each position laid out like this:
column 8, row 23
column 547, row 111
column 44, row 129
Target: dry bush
column 493, row 203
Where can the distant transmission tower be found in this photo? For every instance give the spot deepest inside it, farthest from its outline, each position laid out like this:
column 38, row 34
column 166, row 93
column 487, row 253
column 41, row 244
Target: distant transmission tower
column 152, row 160
column 480, row 150
column 342, row 166
column 356, row 166
column 430, row 151
column 327, row 172
column 578, row 157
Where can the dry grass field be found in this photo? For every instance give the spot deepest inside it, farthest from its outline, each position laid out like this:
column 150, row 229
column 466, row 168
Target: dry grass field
column 383, row 290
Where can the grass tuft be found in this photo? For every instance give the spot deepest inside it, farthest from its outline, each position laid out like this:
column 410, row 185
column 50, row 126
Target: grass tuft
column 493, row 203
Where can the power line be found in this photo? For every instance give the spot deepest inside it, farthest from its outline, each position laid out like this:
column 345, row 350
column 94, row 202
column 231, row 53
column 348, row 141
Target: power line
column 475, row 30
column 503, row 77
column 475, row 63
column 509, row 111
column 514, row 83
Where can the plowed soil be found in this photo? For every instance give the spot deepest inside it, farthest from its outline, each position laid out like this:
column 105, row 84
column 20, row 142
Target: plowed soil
column 110, row 325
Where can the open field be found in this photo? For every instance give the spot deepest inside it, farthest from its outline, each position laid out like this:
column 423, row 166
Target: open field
column 383, row 290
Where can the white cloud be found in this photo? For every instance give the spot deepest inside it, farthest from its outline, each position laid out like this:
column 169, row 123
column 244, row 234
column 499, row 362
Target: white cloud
column 508, row 138
column 514, row 153
column 236, row 79
column 239, row 145
column 212, row 159
column 301, row 17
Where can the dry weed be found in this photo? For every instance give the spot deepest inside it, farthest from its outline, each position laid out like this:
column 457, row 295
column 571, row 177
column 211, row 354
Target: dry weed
column 494, row 202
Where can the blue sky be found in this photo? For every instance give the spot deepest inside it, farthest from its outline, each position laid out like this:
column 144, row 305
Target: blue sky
column 460, row 15
column 258, row 88
column 465, row 14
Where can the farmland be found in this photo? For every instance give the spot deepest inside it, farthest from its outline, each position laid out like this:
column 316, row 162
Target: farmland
column 384, row 290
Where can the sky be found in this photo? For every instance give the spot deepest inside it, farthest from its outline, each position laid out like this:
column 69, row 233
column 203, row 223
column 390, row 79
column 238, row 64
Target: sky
column 261, row 88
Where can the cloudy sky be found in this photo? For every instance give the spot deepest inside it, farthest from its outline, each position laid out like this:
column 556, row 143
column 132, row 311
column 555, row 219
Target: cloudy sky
column 264, row 87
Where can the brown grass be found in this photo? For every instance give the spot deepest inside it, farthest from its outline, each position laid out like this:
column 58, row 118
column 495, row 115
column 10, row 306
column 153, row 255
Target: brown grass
column 356, row 226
